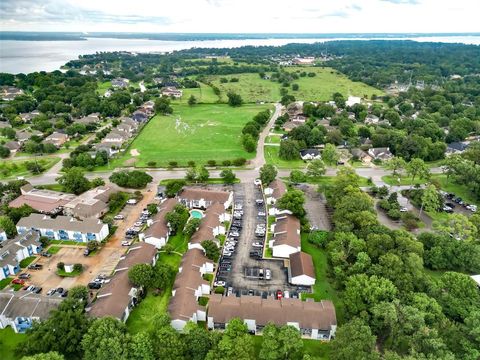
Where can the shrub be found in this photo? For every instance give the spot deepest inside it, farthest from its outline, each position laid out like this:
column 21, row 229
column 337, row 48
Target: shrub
column 173, row 164
column 92, row 245
column 60, row 266
column 191, row 163
column 226, row 163
column 239, row 161
column 211, row 163
column 131, row 179
column 219, row 290
column 394, row 214
column 384, row 205
column 152, row 163
column 318, row 238
column 77, row 267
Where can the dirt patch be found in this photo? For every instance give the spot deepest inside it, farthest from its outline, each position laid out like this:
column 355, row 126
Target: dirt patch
column 134, row 152
column 130, row 162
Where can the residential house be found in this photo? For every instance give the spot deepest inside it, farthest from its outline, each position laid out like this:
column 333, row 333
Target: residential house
column 13, row 251
column 91, row 204
column 23, row 136
column 118, row 297
column 301, row 270
column 20, row 310
column 286, row 236
column 129, row 121
column 309, row 60
column 382, row 154
column 211, row 226
column 299, row 118
column 139, row 116
column 361, row 156
column 172, row 91
column 314, row 320
column 158, row 232
column 9, row 93
column 127, row 128
column 110, row 148
column 64, row 227
column 57, row 139
column 457, row 147
column 353, row 100
column 89, row 119
column 294, row 109
column 44, row 201
column 197, row 198
column 188, row 287
column 310, row 154
column 120, row 83
column 13, row 146
column 290, row 125
column 28, row 117
column 274, row 191
column 116, row 136
column 371, row 119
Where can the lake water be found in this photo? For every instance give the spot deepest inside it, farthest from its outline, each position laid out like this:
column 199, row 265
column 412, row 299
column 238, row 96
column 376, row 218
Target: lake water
column 29, row 56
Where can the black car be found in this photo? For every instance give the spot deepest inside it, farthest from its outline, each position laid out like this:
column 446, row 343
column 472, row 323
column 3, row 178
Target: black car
column 60, row 290
column 37, row 290
column 65, row 294
column 46, row 254
column 452, row 205
column 35, row 267
column 94, row 285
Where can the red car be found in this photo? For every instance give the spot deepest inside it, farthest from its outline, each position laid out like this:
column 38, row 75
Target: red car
column 279, row 294
column 18, row 281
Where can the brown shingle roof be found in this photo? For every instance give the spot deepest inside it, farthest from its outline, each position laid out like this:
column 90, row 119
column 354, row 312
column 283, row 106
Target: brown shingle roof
column 183, row 305
column 210, row 221
column 309, row 314
column 278, row 187
column 159, row 227
column 207, row 195
column 301, row 264
column 287, row 231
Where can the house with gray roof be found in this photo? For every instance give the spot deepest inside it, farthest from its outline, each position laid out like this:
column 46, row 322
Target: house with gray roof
column 64, row 227
column 15, row 250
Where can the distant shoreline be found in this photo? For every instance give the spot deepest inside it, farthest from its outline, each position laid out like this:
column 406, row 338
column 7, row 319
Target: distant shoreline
column 61, row 36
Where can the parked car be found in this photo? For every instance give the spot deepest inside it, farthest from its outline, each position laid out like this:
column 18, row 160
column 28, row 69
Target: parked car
column 65, row 293
column 86, row 252
column 447, row 209
column 472, row 208
column 60, row 290
column 18, row 281
column 126, row 242
column 24, row 276
column 279, row 294
column 51, row 292
column 138, row 223
column 286, row 294
column 257, row 245
column 131, row 202
column 234, row 233
column 251, row 292
column 257, row 182
column 46, row 254
column 403, row 209
column 35, row 266
column 94, row 285
column 119, row 217
column 261, row 214
column 268, row 274
column 219, row 283
column 259, row 201
column 37, row 290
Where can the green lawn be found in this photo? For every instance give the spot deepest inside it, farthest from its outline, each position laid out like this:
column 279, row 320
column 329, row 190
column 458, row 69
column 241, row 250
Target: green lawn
column 53, row 249
column 103, row 87
column 448, row 186
column 5, row 282
column 250, row 86
column 54, row 187
column 273, row 139
column 142, row 316
column 271, row 157
column 322, row 289
column 9, row 341
column 63, row 273
column 199, row 133
column 27, row 261
column 68, row 242
column 11, row 168
column 204, row 95
column 326, row 82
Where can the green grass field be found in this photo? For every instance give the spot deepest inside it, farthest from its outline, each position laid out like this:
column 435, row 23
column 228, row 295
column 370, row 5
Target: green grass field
column 322, row 289
column 204, row 95
column 10, row 169
column 103, row 87
column 271, row 157
column 199, row 133
column 9, row 341
column 326, row 82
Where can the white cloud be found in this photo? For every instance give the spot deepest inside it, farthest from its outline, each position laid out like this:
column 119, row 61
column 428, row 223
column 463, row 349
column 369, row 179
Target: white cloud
column 234, row 16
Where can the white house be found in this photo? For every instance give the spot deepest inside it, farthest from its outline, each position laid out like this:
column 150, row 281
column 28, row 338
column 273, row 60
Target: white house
column 352, row 100
column 195, row 198
column 301, row 270
column 286, row 236
column 310, row 154
column 212, row 225
column 158, row 232
column 64, row 227
column 274, row 191
column 15, row 250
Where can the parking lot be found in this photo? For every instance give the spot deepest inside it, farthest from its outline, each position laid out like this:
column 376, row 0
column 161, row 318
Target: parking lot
column 240, row 271
column 103, row 262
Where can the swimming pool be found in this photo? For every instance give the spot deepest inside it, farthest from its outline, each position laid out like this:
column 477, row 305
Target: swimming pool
column 197, row 214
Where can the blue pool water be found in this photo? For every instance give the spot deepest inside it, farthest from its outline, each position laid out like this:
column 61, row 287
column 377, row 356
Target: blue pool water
column 196, row 214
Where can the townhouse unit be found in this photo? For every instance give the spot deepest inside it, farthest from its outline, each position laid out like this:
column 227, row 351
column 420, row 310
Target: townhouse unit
column 172, row 91
column 64, row 227
column 118, row 297
column 274, row 191
column 314, row 320
column 3, row 235
column 57, row 139
column 20, row 310
column 15, row 250
column 188, row 287
column 158, row 232
column 286, row 236
column 211, row 225
column 196, row 198
column 301, row 270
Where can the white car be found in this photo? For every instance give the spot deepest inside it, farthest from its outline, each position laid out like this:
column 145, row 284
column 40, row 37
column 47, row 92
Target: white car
column 257, row 245
column 119, row 217
column 286, row 294
column 51, row 292
column 131, row 201
column 261, row 213
column 268, row 274
column 227, row 253
column 472, row 208
column 219, row 283
column 257, row 182
column 403, row 209
column 126, row 242
column 234, row 234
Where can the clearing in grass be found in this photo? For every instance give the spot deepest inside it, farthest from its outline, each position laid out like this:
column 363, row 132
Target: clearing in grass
column 192, row 133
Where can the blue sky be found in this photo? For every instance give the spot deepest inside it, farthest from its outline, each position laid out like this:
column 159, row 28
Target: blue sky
column 290, row 16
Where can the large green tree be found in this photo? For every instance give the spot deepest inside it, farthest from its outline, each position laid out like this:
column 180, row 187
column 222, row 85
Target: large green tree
column 74, row 181
column 268, row 173
column 106, row 339
column 293, row 201
column 354, row 341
